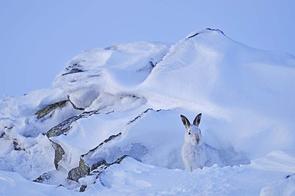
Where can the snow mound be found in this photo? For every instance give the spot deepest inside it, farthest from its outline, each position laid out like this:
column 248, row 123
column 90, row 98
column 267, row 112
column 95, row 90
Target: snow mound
column 110, row 124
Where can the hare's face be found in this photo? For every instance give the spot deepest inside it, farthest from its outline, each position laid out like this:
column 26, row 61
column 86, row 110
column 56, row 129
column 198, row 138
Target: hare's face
column 193, row 135
column 192, row 132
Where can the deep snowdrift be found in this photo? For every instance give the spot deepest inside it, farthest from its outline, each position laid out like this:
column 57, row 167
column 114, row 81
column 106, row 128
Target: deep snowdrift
column 110, row 124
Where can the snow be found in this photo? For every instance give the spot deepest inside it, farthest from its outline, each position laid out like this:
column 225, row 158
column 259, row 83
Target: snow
column 126, row 100
column 134, row 178
column 232, row 83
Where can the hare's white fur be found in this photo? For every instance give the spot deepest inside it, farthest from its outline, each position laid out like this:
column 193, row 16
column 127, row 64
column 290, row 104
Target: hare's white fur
column 195, row 153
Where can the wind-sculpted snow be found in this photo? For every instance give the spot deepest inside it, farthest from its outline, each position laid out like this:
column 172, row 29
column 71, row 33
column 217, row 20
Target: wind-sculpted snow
column 110, row 124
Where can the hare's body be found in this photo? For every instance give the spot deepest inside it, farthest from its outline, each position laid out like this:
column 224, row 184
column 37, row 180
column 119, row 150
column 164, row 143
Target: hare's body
column 199, row 156
column 195, row 153
column 193, row 156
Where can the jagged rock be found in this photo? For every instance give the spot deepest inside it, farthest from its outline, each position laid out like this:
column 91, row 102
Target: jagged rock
column 207, row 29
column 102, row 143
column 65, row 126
column 140, row 115
column 74, row 106
column 79, row 172
column 102, row 165
column 49, row 108
column 74, row 67
column 119, row 160
column 44, row 177
column 74, row 70
column 52, row 107
column 290, row 175
column 62, row 127
column 84, row 169
column 4, row 129
column 16, row 145
column 148, row 68
column 58, row 154
column 83, row 188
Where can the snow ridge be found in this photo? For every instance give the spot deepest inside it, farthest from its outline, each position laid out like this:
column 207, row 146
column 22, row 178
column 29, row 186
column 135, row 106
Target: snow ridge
column 110, row 123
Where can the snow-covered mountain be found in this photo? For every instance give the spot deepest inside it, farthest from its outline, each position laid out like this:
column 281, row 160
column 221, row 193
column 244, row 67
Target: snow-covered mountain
column 110, row 123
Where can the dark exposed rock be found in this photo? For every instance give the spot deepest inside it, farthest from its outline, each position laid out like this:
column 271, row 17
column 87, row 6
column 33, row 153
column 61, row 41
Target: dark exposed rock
column 62, row 127
column 290, row 175
column 72, row 71
column 76, row 173
column 140, row 115
column 74, row 67
column 83, row 188
column 109, row 112
column 217, row 30
column 16, row 145
column 49, row 108
column 99, row 164
column 148, row 68
column 98, row 169
column 44, row 177
column 102, row 165
column 111, row 47
column 94, row 75
column 119, row 160
column 5, row 128
column 65, row 126
column 102, row 168
column 8, row 127
column 194, row 35
column 79, row 172
column 84, row 169
column 52, row 107
column 58, row 153
column 207, row 29
column 102, row 143
column 101, row 161
column 74, row 106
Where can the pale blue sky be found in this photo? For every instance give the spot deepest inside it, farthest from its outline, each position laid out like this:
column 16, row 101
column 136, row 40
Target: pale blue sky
column 38, row 37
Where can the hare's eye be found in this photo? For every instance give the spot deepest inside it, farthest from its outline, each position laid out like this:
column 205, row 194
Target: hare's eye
column 189, row 133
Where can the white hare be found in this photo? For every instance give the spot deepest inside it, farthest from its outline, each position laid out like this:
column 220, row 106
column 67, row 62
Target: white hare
column 195, row 153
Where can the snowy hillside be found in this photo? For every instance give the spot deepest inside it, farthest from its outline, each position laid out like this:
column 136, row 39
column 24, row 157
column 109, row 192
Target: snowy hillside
column 110, row 123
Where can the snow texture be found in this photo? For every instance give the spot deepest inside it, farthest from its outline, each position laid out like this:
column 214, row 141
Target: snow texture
column 110, row 123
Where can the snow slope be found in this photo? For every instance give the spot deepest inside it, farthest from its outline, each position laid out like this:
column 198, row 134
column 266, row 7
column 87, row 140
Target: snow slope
column 110, row 124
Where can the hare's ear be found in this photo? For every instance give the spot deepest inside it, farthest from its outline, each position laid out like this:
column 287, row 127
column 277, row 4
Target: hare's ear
column 185, row 121
column 197, row 120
